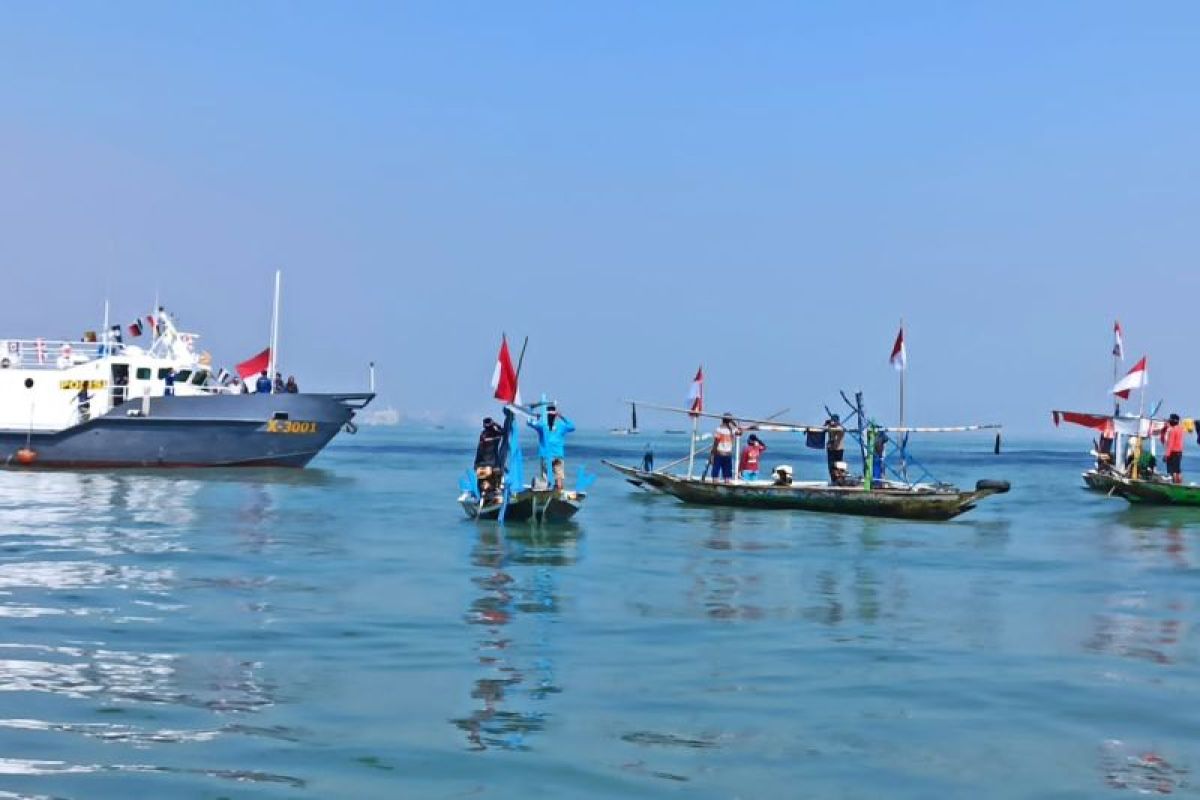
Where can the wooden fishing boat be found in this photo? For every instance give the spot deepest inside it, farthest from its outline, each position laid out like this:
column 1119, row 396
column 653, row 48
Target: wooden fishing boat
column 542, row 506
column 1157, row 492
column 918, row 502
column 1098, row 481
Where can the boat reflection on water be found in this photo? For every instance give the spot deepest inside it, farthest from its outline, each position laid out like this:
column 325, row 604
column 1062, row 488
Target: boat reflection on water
column 518, row 601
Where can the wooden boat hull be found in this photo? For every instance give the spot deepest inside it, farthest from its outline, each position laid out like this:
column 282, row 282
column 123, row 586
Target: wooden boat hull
column 1100, row 481
column 542, row 506
column 637, row 477
column 920, row 503
column 1159, row 493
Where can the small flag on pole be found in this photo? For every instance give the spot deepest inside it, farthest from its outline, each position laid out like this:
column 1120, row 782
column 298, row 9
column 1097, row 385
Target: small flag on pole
column 504, row 377
column 1118, row 341
column 254, row 365
column 135, row 329
column 899, row 357
column 1136, row 378
column 696, row 393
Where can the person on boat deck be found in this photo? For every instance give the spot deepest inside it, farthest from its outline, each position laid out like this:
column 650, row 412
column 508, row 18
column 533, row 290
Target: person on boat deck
column 1139, row 451
column 648, row 458
column 722, row 448
column 280, row 387
column 551, row 429
column 748, row 466
column 783, row 475
column 841, row 475
column 263, row 384
column 169, row 382
column 84, row 401
column 487, row 457
column 291, row 387
column 1172, row 437
column 835, row 436
column 1104, row 449
column 879, row 453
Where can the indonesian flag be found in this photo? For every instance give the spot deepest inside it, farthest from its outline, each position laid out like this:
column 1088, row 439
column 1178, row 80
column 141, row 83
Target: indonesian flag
column 1118, row 341
column 504, row 377
column 135, row 329
column 1136, row 378
column 899, row 357
column 254, row 365
column 696, row 393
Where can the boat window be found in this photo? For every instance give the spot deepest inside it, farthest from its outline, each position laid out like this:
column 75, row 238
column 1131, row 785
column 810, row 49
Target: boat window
column 143, row 373
column 162, row 373
column 279, row 415
column 182, row 375
column 199, row 378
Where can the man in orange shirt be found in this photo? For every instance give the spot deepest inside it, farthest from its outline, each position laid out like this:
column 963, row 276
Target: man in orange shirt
column 1172, row 437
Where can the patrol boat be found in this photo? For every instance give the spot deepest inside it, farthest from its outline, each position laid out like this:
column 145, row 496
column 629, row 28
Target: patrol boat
column 155, row 406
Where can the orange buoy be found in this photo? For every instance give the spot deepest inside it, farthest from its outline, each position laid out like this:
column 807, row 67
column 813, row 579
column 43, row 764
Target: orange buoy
column 25, row 456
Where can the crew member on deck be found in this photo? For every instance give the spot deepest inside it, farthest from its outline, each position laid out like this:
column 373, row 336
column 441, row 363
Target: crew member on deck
column 487, row 458
column 551, row 428
column 748, row 468
column 169, row 382
column 280, row 387
column 291, row 387
column 835, row 436
column 84, row 401
column 1172, row 437
column 648, row 458
column 722, row 448
column 263, row 384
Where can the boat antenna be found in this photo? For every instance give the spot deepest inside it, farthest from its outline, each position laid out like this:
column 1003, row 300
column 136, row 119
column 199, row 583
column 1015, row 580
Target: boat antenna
column 274, row 358
column 371, row 367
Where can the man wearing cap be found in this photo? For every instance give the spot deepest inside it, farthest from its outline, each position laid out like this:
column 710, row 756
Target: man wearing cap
column 835, row 436
column 1172, row 437
column 551, row 429
column 751, row 454
column 487, row 457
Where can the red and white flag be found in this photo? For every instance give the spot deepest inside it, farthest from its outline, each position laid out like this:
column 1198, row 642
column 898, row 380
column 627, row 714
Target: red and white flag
column 696, row 393
column 1136, row 378
column 254, row 365
column 504, row 377
column 1118, row 341
column 899, row 357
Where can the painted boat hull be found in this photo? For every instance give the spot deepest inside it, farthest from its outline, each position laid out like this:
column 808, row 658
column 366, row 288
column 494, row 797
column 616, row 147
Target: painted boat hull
column 1100, row 481
column 1159, row 493
column 542, row 507
column 926, row 503
column 256, row 430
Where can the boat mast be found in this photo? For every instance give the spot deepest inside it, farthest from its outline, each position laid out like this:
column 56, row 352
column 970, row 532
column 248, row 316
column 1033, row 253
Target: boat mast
column 903, row 372
column 274, row 359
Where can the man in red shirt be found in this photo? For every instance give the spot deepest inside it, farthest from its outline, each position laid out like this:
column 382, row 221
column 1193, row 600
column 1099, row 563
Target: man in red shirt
column 1172, row 437
column 748, row 469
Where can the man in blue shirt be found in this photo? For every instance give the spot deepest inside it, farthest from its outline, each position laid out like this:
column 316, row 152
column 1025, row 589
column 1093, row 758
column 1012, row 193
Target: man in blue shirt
column 551, row 429
column 263, row 384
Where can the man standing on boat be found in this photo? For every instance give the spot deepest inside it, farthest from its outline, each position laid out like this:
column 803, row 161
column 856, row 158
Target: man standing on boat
column 748, row 468
column 487, row 458
column 835, row 437
column 551, row 429
column 1172, row 437
column 722, row 448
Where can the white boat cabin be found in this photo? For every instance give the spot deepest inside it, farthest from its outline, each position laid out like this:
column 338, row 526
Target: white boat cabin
column 41, row 379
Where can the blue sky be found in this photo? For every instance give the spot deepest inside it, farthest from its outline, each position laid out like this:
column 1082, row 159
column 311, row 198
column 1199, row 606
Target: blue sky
column 765, row 188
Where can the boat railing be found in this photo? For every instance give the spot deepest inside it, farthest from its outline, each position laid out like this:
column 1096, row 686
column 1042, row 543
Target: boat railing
column 53, row 353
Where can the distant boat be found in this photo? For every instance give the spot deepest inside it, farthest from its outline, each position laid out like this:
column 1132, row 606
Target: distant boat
column 632, row 430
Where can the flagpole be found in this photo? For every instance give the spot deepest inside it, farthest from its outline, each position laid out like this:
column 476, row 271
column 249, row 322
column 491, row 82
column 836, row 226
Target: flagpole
column 274, row 358
column 903, row 373
column 1116, row 368
column 692, row 452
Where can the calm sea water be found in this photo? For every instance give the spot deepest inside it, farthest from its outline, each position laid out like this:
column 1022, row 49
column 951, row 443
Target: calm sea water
column 345, row 632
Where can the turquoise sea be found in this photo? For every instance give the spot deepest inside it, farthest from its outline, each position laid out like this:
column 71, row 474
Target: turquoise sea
column 344, row 632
